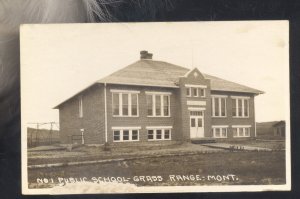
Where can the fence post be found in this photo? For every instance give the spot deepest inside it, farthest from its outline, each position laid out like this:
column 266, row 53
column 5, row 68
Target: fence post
column 82, row 137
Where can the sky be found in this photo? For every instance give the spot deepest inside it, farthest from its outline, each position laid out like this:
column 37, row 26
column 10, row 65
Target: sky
column 59, row 60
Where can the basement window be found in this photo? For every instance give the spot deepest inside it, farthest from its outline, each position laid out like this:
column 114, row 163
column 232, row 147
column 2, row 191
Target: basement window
column 159, row 134
column 125, row 135
column 241, row 131
column 219, row 131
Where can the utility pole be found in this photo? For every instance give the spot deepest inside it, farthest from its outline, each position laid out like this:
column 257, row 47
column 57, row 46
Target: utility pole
column 36, row 134
column 31, row 133
column 51, row 123
column 38, row 125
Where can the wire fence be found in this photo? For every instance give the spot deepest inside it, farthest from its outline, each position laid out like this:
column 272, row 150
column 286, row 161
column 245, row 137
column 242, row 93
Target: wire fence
column 39, row 134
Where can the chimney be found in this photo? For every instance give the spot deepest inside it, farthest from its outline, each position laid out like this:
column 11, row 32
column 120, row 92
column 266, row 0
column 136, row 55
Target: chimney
column 145, row 55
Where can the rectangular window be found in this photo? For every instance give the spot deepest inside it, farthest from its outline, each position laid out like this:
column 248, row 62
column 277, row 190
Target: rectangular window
column 219, row 106
column 188, row 92
column 193, row 122
column 80, row 113
column 224, row 132
column 125, row 135
column 223, row 107
column 240, row 107
column 135, row 135
column 158, row 105
column 159, row 134
column 217, row 132
column 200, row 122
column 117, row 135
column 149, row 104
column 166, row 104
column 241, row 131
column 116, row 104
column 167, row 134
column 246, row 106
column 234, row 132
column 134, row 105
column 196, row 113
column 247, row 132
column 195, row 92
column 202, row 92
column 234, row 107
column 150, row 134
column 125, row 104
column 220, row 132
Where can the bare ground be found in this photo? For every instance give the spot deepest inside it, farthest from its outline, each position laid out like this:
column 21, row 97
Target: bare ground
column 84, row 153
column 249, row 168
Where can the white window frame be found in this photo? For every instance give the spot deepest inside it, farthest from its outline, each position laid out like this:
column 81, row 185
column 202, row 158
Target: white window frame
column 195, row 86
column 243, row 98
column 190, row 90
column 243, row 128
column 120, row 93
column 122, row 129
column 220, row 127
column 80, row 107
column 161, row 94
column 204, row 92
column 195, row 113
column 218, row 97
column 198, row 87
column 192, row 94
column 162, row 128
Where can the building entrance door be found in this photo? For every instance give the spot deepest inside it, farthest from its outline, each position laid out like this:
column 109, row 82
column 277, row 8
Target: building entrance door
column 196, row 124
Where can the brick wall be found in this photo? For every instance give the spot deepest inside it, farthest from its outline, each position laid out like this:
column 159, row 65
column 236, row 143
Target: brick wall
column 185, row 114
column 141, row 121
column 93, row 116
column 93, row 121
column 229, row 120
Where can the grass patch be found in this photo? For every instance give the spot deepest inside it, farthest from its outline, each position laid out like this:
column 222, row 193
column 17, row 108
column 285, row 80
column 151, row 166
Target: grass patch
column 85, row 153
column 250, row 168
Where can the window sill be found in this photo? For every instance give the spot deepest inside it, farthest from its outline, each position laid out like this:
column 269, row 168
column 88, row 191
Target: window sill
column 159, row 140
column 241, row 136
column 158, row 116
column 218, row 116
column 239, row 117
column 219, row 137
column 126, row 140
column 124, row 116
column 202, row 97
